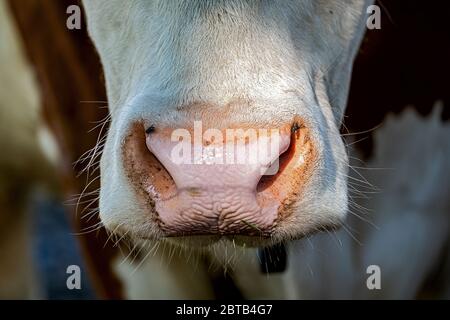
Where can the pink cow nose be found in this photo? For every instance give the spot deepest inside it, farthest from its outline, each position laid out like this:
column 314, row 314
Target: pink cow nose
column 218, row 183
column 207, row 164
column 216, row 180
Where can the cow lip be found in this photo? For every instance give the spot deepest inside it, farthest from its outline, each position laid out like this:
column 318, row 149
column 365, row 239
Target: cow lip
column 227, row 235
column 239, row 240
column 208, row 240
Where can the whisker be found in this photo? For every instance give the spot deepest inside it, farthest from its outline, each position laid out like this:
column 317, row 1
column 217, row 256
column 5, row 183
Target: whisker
column 362, row 132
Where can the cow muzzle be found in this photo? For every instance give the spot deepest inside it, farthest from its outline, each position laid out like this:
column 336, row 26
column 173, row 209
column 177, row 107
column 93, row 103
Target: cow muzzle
column 237, row 181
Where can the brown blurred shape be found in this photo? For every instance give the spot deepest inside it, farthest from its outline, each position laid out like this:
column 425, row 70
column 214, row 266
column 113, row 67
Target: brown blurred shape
column 73, row 99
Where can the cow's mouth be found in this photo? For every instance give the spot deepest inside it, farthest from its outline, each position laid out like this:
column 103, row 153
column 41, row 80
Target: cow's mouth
column 219, row 209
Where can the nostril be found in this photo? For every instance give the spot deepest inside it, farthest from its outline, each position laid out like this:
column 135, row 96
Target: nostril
column 292, row 162
column 150, row 130
column 295, row 127
column 144, row 170
column 267, row 180
column 161, row 183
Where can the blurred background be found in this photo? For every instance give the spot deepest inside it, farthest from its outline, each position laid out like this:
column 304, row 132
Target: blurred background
column 52, row 103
